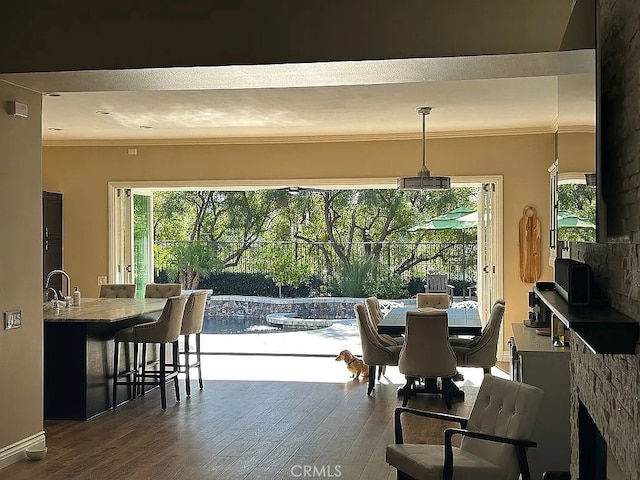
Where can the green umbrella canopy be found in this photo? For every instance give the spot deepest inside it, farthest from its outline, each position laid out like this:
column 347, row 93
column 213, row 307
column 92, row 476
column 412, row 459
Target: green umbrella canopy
column 567, row 219
column 461, row 218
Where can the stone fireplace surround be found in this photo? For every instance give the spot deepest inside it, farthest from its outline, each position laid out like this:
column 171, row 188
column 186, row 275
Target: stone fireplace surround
column 609, row 385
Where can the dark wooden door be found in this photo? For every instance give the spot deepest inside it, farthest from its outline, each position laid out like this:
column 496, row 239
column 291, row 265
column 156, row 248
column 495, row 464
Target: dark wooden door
column 52, row 236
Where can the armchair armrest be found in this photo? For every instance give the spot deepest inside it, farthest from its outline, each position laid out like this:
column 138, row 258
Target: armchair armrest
column 422, row 413
column 520, row 444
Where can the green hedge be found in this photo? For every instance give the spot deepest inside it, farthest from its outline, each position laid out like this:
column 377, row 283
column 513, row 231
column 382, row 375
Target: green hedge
column 229, row 283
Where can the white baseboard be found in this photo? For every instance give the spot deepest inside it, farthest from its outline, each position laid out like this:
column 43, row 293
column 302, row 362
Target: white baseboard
column 15, row 452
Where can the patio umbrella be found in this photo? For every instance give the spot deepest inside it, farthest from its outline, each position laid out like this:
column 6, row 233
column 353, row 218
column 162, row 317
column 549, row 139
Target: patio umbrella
column 460, row 218
column 567, row 219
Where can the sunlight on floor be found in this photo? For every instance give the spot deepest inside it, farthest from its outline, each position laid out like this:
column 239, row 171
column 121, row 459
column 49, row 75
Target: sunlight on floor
column 305, row 369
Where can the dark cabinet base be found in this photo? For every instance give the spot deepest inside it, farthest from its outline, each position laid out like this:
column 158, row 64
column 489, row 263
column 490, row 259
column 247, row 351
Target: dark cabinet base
column 78, row 368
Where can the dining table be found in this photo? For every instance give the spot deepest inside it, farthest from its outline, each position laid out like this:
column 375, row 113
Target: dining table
column 78, row 353
column 461, row 321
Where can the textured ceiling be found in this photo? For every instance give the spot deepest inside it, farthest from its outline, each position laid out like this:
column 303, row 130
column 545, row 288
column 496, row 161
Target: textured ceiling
column 368, row 99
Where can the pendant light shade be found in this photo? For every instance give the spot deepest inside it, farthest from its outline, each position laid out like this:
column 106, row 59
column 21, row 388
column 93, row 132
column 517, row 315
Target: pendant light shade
column 424, row 180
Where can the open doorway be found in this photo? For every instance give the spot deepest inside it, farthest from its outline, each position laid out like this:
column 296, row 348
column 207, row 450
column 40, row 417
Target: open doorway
column 131, row 261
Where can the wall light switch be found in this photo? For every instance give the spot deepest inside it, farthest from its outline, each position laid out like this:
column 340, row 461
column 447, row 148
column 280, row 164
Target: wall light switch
column 102, row 279
column 12, row 319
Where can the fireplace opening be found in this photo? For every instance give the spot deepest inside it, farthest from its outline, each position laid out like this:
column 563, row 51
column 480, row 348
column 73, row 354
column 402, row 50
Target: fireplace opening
column 596, row 461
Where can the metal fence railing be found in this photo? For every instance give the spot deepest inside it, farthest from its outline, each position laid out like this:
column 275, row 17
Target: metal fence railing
column 457, row 260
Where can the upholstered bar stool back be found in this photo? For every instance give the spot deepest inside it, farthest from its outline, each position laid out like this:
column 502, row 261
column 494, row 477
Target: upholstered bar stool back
column 163, row 331
column 118, row 290
column 192, row 321
column 162, row 290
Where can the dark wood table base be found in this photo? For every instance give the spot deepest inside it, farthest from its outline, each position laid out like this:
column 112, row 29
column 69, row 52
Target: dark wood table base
column 431, row 386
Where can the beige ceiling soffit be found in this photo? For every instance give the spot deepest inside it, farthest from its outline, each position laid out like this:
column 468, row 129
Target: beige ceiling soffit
column 294, row 139
column 319, row 74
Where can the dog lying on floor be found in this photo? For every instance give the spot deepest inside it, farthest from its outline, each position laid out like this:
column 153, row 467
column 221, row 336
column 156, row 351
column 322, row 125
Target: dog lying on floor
column 354, row 364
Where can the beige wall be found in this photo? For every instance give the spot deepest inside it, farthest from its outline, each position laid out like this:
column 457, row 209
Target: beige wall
column 576, row 152
column 21, row 259
column 82, row 174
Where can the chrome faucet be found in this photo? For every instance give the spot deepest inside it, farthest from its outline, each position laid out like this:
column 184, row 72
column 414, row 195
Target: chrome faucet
column 58, row 272
column 55, row 297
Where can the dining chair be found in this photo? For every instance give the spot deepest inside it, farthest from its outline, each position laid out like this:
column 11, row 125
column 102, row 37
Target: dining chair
column 374, row 353
column 192, row 321
column 162, row 290
column 162, row 332
column 376, row 314
column 495, row 437
column 118, row 290
column 481, row 351
column 426, row 353
column 433, row 300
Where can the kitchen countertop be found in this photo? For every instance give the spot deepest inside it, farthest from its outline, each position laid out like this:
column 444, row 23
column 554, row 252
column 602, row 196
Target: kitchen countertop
column 104, row 310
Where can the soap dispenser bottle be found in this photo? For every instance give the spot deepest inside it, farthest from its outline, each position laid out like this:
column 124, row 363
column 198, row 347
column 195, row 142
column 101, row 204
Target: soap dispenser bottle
column 76, row 297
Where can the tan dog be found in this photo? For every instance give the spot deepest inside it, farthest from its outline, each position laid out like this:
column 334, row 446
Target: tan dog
column 354, row 364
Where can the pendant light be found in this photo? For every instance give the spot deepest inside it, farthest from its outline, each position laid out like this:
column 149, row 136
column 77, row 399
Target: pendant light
column 424, row 180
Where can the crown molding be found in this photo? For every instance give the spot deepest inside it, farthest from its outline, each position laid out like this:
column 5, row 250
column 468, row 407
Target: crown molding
column 131, row 142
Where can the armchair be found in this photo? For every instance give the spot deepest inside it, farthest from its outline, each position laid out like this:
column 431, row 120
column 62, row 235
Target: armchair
column 481, row 351
column 495, row 437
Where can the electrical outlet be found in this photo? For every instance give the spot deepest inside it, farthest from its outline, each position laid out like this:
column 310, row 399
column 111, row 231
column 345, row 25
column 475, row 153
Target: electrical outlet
column 102, row 279
column 12, row 319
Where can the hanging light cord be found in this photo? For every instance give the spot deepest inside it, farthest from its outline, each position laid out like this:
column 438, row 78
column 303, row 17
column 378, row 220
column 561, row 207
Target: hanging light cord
column 424, row 111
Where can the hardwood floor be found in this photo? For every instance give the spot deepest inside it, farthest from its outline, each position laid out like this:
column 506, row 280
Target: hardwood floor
column 240, row 429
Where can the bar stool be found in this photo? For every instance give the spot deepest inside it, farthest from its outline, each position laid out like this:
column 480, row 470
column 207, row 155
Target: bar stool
column 157, row 290
column 163, row 331
column 118, row 290
column 192, row 325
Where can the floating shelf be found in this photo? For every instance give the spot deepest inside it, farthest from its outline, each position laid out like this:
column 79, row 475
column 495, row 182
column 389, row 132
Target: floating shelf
column 602, row 329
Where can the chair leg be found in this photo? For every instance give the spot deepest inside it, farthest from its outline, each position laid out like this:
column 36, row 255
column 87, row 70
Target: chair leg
column 446, row 391
column 372, row 379
column 407, row 390
column 198, row 360
column 187, row 365
column 115, row 374
column 487, row 370
column 134, row 385
column 176, row 369
column 163, row 371
column 143, row 367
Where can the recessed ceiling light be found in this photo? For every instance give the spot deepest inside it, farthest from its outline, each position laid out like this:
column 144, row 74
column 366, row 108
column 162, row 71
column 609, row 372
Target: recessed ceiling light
column 146, row 126
column 103, row 112
column 56, row 129
column 52, row 94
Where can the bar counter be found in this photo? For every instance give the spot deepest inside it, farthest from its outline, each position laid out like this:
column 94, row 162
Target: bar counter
column 78, row 353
